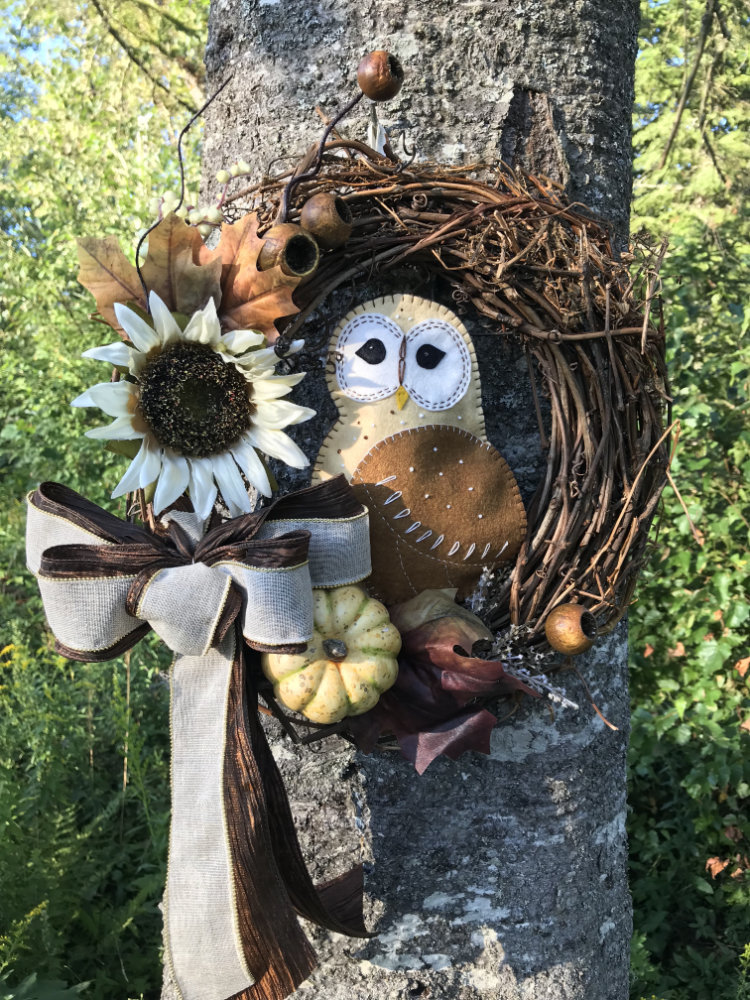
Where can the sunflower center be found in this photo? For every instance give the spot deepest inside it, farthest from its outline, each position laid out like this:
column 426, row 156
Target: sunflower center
column 193, row 401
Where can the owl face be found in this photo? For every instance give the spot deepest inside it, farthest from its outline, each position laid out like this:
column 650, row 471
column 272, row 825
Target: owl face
column 429, row 363
column 397, row 363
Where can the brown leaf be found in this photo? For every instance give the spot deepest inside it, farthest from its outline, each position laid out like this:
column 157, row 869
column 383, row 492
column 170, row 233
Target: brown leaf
column 715, row 866
column 251, row 299
column 171, row 269
column 110, row 277
column 745, row 725
column 648, row 650
column 741, row 666
column 733, row 833
column 679, row 650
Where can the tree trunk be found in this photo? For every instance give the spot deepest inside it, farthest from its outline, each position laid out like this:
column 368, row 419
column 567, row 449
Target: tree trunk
column 500, row 876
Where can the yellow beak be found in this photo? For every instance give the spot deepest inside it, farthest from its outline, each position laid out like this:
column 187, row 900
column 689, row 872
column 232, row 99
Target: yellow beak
column 401, row 397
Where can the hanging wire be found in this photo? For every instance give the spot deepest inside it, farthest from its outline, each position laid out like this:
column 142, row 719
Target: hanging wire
column 182, row 135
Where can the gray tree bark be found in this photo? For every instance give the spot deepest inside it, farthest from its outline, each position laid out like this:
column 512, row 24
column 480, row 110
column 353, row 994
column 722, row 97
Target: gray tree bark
column 503, row 876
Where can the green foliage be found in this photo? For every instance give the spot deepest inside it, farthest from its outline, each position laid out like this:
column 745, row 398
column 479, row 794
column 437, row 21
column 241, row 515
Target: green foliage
column 89, row 117
column 690, row 777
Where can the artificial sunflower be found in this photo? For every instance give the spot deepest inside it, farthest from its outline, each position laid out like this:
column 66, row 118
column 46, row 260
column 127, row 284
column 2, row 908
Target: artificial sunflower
column 202, row 402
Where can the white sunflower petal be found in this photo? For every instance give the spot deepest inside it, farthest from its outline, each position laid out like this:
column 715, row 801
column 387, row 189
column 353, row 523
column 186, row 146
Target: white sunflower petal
column 275, row 386
column 252, row 467
column 112, row 397
column 237, row 341
column 142, row 471
column 164, row 321
column 143, row 336
column 295, row 346
column 114, row 354
column 259, row 362
column 279, row 413
column 204, row 326
column 203, row 489
column 278, row 445
column 230, row 483
column 120, row 429
column 173, row 480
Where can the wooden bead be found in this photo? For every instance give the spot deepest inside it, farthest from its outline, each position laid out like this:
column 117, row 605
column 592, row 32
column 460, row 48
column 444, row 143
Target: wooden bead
column 380, row 76
column 570, row 629
column 291, row 248
column 328, row 218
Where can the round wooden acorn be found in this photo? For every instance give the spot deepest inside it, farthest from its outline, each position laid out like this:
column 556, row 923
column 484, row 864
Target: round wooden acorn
column 328, row 218
column 380, row 75
column 570, row 629
column 291, row 248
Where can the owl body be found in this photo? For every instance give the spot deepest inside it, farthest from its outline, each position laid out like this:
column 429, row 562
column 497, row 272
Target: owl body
column 411, row 438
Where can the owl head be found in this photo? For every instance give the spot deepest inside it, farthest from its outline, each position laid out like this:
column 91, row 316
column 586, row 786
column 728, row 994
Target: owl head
column 395, row 363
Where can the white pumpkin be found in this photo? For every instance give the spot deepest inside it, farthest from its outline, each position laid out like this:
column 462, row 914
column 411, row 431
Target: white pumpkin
column 348, row 663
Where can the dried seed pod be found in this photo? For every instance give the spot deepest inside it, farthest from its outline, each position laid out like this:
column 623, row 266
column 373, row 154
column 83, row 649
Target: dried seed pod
column 380, row 76
column 328, row 218
column 291, row 248
column 570, row 629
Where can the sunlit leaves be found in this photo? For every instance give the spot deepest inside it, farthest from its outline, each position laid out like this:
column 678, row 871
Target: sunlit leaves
column 689, row 754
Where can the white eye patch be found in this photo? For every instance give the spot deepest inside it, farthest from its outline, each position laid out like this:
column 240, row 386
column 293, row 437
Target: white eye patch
column 437, row 371
column 367, row 357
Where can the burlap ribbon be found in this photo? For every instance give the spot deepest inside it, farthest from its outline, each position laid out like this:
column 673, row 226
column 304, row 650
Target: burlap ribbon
column 236, row 874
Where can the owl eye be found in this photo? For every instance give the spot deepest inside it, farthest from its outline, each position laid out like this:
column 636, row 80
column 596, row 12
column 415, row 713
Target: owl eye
column 373, row 352
column 429, row 356
column 367, row 353
column 437, row 371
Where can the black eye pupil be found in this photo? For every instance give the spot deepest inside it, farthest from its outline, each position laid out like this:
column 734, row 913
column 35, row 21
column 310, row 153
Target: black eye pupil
column 429, row 356
column 373, row 351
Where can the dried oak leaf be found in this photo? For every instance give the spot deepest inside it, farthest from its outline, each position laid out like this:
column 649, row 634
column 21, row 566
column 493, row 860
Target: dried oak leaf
column 428, row 709
column 251, row 299
column 108, row 274
column 715, row 866
column 171, row 269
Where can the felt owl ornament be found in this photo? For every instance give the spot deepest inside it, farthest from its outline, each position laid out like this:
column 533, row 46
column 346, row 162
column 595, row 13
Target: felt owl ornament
column 410, row 437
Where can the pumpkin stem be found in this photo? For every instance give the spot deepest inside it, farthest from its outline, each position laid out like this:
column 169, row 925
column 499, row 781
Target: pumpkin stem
column 335, row 649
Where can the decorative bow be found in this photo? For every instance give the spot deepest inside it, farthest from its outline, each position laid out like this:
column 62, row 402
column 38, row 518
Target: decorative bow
column 235, row 875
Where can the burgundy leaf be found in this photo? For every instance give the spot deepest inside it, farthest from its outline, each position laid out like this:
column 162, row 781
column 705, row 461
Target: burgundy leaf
column 467, row 731
column 426, row 708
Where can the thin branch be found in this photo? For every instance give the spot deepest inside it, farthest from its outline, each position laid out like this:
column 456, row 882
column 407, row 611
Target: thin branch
column 697, row 535
column 715, row 63
column 164, row 13
column 706, row 21
column 135, row 58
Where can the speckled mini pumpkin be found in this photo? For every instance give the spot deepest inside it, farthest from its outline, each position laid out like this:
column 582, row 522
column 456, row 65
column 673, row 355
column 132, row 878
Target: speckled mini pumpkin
column 348, row 663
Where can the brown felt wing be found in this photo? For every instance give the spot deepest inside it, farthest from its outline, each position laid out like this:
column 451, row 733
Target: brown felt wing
column 443, row 505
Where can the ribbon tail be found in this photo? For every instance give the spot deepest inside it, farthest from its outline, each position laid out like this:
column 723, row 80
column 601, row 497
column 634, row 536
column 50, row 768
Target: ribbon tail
column 275, row 947
column 336, row 904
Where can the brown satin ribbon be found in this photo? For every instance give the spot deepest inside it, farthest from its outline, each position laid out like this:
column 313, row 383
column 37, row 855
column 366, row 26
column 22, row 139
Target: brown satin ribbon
column 271, row 881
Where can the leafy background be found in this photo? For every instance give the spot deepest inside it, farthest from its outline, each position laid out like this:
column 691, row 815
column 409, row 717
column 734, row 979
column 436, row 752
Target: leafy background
column 92, row 96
